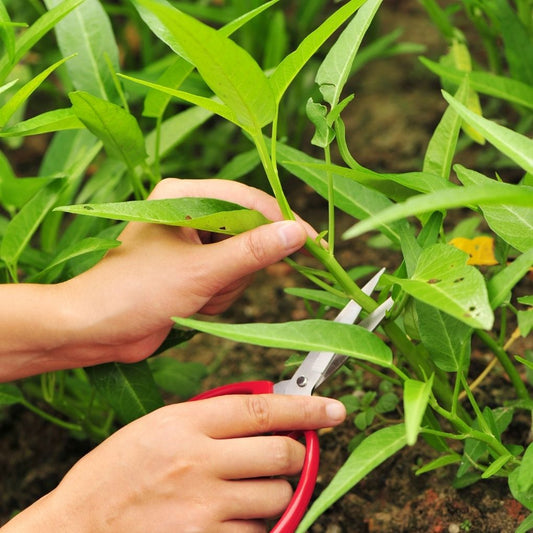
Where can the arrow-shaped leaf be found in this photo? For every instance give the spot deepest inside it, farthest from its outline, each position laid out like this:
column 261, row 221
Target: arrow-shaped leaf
column 443, row 280
column 305, row 335
column 129, row 389
column 375, row 449
column 231, row 73
column 208, row 214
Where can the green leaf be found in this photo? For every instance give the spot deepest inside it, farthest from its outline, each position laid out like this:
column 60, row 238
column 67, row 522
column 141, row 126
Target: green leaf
column 241, row 165
column 441, row 148
column 35, row 32
column 173, row 131
column 291, row 65
column 231, row 73
column 525, row 322
column 176, row 377
column 440, row 462
column 322, row 297
column 304, row 335
column 396, row 186
column 56, row 120
column 7, row 33
column 350, row 196
column 20, row 97
column 24, row 224
column 156, row 102
column 210, row 104
column 415, row 401
column 517, row 147
column 75, row 250
column 514, row 224
column 501, row 284
column 496, row 466
column 87, row 32
column 526, row 300
column 373, row 451
column 443, row 280
column 201, row 213
column 526, row 525
column 502, row 87
column 317, row 114
column 516, row 40
column 10, row 394
column 524, row 497
column 493, row 193
column 444, row 336
column 525, row 480
column 15, row 192
column 129, row 389
column 114, row 126
column 335, row 69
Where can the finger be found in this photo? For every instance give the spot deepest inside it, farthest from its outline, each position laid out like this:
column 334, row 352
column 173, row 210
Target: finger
column 230, row 191
column 251, row 251
column 242, row 526
column 259, row 414
column 255, row 499
column 256, row 457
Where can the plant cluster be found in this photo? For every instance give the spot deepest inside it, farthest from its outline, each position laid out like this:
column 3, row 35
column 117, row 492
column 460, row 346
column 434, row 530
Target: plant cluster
column 120, row 132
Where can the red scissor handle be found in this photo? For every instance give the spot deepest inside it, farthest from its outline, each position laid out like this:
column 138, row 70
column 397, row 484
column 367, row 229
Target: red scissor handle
column 304, row 490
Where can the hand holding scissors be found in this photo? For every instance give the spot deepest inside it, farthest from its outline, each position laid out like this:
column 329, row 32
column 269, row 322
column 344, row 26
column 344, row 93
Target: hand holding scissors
column 312, row 372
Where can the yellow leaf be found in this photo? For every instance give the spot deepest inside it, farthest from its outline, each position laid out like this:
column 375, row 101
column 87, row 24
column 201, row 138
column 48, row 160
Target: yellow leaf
column 480, row 250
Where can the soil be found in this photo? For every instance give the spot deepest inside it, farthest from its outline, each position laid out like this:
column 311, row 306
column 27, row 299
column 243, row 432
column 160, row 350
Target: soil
column 396, row 108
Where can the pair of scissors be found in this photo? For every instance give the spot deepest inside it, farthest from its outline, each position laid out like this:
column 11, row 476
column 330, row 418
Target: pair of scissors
column 312, row 372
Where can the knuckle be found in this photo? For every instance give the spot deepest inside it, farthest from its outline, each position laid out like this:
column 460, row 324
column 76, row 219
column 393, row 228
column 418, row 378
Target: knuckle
column 260, row 413
column 284, row 494
column 255, row 248
column 283, row 456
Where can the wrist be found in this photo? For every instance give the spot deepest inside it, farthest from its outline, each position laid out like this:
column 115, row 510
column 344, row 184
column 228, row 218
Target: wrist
column 32, row 329
column 49, row 514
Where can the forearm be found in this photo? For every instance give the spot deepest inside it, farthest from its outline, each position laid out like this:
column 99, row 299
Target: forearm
column 34, row 328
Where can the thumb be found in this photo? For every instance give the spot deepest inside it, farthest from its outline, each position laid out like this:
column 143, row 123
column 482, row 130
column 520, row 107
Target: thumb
column 253, row 250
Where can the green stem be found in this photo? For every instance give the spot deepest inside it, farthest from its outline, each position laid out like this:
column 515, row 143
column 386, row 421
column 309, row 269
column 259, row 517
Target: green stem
column 381, row 375
column 272, row 174
column 524, row 13
column 157, row 155
column 349, row 287
column 507, row 364
column 50, row 418
column 474, row 404
column 331, row 202
column 465, row 429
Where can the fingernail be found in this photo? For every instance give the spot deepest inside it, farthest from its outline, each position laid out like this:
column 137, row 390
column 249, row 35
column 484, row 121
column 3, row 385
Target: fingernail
column 336, row 411
column 291, row 233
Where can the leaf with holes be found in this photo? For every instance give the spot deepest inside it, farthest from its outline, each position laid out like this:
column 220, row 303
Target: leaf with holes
column 443, row 280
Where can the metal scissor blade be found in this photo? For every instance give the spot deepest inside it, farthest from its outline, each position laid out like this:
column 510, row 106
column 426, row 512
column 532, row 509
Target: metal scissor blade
column 371, row 322
column 351, row 310
column 319, row 365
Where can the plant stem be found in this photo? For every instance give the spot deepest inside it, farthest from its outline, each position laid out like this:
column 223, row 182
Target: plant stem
column 51, row 418
column 272, row 174
column 331, row 202
column 506, row 363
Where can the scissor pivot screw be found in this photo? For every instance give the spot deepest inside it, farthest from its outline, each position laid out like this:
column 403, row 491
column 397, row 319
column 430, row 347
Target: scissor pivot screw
column 301, row 381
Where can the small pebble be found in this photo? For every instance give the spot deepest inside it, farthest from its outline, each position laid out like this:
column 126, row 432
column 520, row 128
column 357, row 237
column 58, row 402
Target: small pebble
column 454, row 528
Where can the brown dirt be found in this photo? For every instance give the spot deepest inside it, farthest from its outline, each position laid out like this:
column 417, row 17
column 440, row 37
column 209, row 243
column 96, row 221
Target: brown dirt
column 397, row 106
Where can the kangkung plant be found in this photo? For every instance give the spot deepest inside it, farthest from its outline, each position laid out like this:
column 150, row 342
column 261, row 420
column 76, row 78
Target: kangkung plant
column 448, row 295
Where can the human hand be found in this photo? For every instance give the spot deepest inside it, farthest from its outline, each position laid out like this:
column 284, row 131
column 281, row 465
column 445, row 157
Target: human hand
column 202, row 466
column 121, row 308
